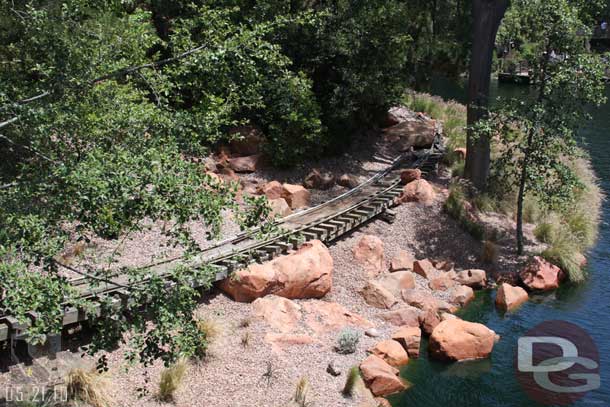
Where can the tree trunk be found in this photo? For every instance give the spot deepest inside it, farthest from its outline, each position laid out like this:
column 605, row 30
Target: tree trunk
column 487, row 16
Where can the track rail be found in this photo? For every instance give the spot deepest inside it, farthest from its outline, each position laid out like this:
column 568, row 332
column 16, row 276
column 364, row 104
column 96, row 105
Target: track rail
column 325, row 222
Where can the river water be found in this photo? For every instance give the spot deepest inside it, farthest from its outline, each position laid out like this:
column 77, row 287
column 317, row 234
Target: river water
column 492, row 382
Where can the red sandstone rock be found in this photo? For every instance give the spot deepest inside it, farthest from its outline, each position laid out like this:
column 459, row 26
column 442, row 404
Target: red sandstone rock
column 381, row 378
column 402, row 261
column 472, row 278
column 429, row 320
column 249, row 163
column 348, row 181
column 376, row 295
column 306, row 273
column 280, row 313
column 296, row 196
column 368, row 251
column 396, row 115
column 318, row 180
column 391, row 352
column 272, row 190
column 323, row 317
column 398, row 281
column 425, row 269
column 441, row 282
column 246, row 140
column 410, row 339
column 404, row 316
column 417, row 191
column 279, row 342
column 509, row 298
column 279, row 207
column 541, row 275
column 409, row 175
column 461, row 295
column 456, row 339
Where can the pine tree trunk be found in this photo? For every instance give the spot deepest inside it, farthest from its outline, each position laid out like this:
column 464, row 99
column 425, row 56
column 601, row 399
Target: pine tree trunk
column 487, row 16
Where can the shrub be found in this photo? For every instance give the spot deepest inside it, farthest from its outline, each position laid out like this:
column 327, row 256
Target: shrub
column 89, row 387
column 171, row 378
column 350, row 383
column 454, row 206
column 300, row 393
column 490, row 252
column 210, row 328
column 348, row 341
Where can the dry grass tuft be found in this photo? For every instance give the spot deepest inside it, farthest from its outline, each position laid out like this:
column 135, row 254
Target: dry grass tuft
column 171, row 378
column 489, row 253
column 245, row 339
column 89, row 387
column 210, row 328
column 300, row 394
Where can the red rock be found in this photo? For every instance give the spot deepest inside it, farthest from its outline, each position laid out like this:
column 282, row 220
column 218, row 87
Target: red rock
column 402, row 261
column 250, row 163
column 541, row 275
column 228, row 175
column 318, row 180
column 456, row 339
column 410, row 339
column 410, row 175
column 472, row 278
column 279, row 342
column 398, row 281
column 348, row 181
column 428, row 320
column 272, row 190
column 368, row 252
column 417, row 191
column 444, row 265
column 377, row 296
column 279, row 207
column 296, row 196
column 245, row 140
column 461, row 295
column 460, row 153
column 280, row 313
column 509, row 298
column 441, row 283
column 214, row 179
column 391, row 352
column 306, row 273
column 381, row 402
column 404, row 316
column 411, row 133
column 323, row 317
column 425, row 269
column 381, row 378
column 419, row 299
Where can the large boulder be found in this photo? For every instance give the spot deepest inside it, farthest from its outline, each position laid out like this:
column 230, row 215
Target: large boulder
column 442, row 282
column 245, row 140
column 368, row 252
column 319, row 180
column 419, row 191
column 410, row 339
column 280, row 313
column 398, row 114
column 461, row 295
column 419, row 299
column 296, row 196
column 402, row 261
column 279, row 207
column 392, row 352
column 404, row 316
column 323, row 317
column 272, row 190
column 306, row 273
column 456, row 339
column 409, row 175
column 425, row 268
column 429, row 319
column 246, row 164
column 398, row 281
column 474, row 278
column 541, row 275
column 376, row 295
column 417, row 133
column 509, row 298
column 381, row 378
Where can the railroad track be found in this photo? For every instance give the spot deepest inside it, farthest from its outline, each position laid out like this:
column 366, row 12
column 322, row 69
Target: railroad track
column 325, row 222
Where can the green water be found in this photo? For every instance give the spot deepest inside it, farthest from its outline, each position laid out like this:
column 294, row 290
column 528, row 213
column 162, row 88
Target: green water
column 492, row 382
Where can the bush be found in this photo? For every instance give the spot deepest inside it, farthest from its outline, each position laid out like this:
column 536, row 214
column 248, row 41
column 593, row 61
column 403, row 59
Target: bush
column 348, row 341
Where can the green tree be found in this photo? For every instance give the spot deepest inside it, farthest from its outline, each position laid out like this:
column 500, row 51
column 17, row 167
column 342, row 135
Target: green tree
column 538, row 133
